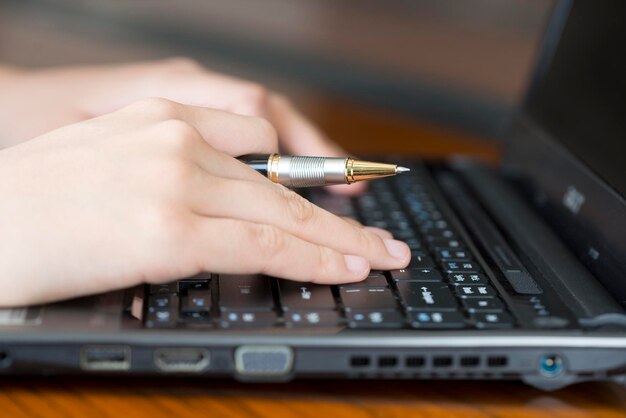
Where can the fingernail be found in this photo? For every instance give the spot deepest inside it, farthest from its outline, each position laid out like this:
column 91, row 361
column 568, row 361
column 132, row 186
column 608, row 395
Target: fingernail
column 398, row 249
column 356, row 264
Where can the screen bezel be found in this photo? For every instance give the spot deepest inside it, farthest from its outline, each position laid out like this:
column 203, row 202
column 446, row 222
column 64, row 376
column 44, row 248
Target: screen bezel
column 585, row 211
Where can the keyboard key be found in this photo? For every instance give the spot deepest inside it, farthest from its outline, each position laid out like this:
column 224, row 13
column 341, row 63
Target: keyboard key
column 374, row 279
column 307, row 318
column 371, row 298
column 245, row 318
column 199, row 283
column 196, row 301
column 422, row 295
column 422, row 262
column 413, row 243
column 375, row 319
column 163, row 317
column 473, row 291
column 245, row 292
column 492, row 319
column 467, row 278
column 439, row 243
column 442, row 319
column 453, row 266
column 482, row 305
column 453, row 254
column 294, row 295
column 419, row 275
column 165, row 288
column 162, row 301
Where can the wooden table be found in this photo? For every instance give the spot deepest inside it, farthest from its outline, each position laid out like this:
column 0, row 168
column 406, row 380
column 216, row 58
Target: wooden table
column 363, row 131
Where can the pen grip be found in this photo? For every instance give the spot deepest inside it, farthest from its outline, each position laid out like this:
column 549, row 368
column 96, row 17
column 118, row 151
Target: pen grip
column 257, row 162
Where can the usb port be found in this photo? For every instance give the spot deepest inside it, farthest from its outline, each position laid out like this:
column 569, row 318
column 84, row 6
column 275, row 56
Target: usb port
column 105, row 358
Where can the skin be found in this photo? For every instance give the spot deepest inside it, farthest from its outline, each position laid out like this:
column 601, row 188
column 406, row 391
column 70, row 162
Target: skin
column 151, row 192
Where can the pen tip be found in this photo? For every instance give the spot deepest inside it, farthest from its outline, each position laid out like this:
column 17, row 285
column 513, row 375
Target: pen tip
column 402, row 170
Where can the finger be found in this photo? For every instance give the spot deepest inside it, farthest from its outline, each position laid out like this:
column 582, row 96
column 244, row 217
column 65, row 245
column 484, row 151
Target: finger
column 380, row 232
column 238, row 247
column 294, row 214
column 299, row 136
column 228, row 132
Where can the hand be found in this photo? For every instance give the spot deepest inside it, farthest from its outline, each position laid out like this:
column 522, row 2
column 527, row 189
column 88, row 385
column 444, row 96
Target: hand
column 144, row 195
column 36, row 101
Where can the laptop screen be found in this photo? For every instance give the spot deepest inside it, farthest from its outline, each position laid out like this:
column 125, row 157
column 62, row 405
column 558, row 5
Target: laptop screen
column 567, row 147
column 581, row 98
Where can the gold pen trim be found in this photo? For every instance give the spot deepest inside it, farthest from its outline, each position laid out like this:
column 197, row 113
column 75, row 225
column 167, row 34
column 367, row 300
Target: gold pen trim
column 272, row 167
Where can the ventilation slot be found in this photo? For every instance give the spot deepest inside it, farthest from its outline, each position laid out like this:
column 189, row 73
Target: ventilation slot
column 442, row 361
column 470, row 361
column 359, row 361
column 388, row 361
column 415, row 362
column 497, row 361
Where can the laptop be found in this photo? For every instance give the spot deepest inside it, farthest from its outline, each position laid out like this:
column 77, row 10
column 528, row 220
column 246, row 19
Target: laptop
column 518, row 271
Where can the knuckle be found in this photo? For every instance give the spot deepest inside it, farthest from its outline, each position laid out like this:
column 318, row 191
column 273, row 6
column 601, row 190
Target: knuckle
column 169, row 222
column 270, row 241
column 181, row 173
column 158, row 108
column 255, row 94
column 327, row 262
column 301, row 210
column 179, row 134
column 266, row 132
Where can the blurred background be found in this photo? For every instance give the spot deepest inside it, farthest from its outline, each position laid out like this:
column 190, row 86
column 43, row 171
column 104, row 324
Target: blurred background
column 463, row 65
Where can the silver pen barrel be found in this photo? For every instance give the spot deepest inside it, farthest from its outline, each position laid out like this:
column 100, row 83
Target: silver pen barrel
column 295, row 171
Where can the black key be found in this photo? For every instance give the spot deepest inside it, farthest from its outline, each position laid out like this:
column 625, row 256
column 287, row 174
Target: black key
column 430, row 296
column 475, row 291
column 413, row 243
column 454, row 266
column 492, row 319
column 165, row 288
column 439, row 243
column 245, row 318
column 371, row 298
column 200, row 282
column 162, row 301
column 374, row 279
column 375, row 319
column 467, row 278
column 294, row 295
column 482, row 305
column 196, row 301
column 420, row 275
column 307, row 318
column 434, row 234
column 422, row 262
column 453, row 254
column 245, row 292
column 441, row 319
column 163, row 317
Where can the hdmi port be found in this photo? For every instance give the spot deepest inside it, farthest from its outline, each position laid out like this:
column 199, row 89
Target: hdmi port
column 182, row 359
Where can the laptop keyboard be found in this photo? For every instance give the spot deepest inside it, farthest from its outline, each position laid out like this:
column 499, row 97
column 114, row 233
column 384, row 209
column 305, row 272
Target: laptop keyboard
column 444, row 287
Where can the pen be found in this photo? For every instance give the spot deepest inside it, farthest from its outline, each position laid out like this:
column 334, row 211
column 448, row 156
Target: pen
column 297, row 171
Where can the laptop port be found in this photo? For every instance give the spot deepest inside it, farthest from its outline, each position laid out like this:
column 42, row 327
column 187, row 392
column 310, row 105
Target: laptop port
column 415, row 361
column 182, row 359
column 387, row 361
column 551, row 365
column 5, row 359
column 359, row 361
column 470, row 361
column 442, row 361
column 259, row 360
column 105, row 358
column 497, row 361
